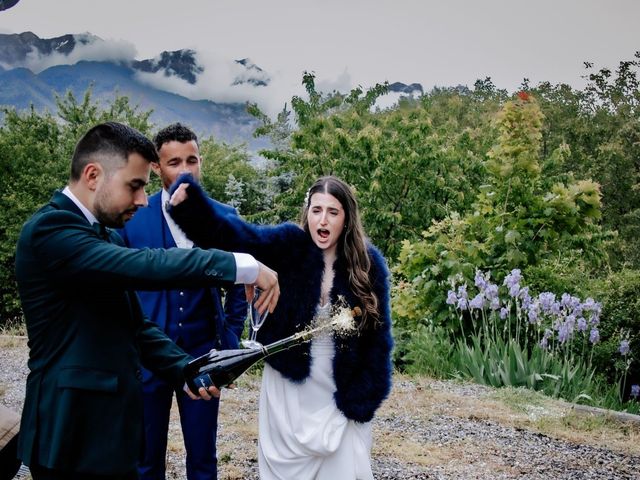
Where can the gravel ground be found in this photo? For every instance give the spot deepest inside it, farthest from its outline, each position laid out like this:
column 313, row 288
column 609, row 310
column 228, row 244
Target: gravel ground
column 427, row 429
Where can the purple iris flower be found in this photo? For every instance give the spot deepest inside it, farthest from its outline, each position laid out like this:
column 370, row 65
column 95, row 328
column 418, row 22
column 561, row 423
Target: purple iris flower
column 635, row 391
column 574, row 304
column 571, row 322
column 480, row 280
column 452, row 299
column 594, row 336
column 513, row 278
column 624, row 347
column 491, row 291
column 578, row 309
column 477, row 302
column 544, row 343
column 569, row 302
column 534, row 312
column 526, row 298
column 546, row 300
column 494, row 304
column 582, row 324
column 563, row 333
column 589, row 303
column 462, row 291
column 462, row 303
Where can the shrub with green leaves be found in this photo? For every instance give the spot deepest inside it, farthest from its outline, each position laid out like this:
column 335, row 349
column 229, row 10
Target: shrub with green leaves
column 620, row 294
column 427, row 350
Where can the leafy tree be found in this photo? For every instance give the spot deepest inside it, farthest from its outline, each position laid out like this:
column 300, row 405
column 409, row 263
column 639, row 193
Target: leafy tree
column 32, row 168
column 614, row 101
column 230, row 177
column 406, row 172
column 601, row 125
column 35, row 151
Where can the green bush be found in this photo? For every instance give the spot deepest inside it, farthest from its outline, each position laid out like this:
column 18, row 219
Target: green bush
column 620, row 295
column 425, row 351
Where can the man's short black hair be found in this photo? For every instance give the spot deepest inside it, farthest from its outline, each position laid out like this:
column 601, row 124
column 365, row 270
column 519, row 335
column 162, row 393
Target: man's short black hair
column 110, row 144
column 174, row 132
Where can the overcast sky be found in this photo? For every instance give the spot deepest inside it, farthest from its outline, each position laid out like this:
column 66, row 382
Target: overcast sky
column 358, row 42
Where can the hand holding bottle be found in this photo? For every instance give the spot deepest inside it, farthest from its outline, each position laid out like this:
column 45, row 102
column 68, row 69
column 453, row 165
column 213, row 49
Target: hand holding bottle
column 203, row 393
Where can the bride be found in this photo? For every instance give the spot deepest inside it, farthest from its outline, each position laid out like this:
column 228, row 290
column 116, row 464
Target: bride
column 317, row 400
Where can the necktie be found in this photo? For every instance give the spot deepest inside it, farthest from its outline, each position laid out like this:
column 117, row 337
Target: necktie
column 101, row 230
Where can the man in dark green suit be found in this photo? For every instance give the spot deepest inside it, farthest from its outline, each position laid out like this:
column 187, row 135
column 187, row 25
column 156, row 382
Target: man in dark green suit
column 88, row 337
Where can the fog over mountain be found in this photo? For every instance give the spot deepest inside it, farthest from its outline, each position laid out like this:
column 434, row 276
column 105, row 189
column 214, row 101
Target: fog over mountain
column 205, row 90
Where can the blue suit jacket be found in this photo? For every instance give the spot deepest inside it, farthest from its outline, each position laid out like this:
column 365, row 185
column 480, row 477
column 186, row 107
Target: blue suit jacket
column 224, row 325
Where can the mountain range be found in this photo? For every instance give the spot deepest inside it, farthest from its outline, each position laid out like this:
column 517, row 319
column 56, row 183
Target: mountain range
column 34, row 70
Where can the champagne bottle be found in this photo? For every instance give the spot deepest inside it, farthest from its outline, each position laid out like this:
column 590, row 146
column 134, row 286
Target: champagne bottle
column 222, row 367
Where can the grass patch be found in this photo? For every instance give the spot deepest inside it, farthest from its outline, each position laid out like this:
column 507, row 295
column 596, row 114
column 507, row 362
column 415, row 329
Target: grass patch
column 557, row 419
column 225, row 457
column 520, row 399
column 398, row 446
column 11, row 341
column 517, row 407
column 531, row 403
column 13, row 328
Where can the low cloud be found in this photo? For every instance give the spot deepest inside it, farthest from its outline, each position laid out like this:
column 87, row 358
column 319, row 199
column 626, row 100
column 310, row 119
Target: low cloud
column 223, row 80
column 391, row 99
column 218, row 83
column 96, row 50
column 342, row 83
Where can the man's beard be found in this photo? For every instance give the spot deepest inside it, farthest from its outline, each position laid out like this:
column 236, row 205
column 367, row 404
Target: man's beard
column 104, row 215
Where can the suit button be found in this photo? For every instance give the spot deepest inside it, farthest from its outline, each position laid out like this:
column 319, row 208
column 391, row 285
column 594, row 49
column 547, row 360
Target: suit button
column 181, row 309
column 182, row 294
column 180, row 324
column 139, row 374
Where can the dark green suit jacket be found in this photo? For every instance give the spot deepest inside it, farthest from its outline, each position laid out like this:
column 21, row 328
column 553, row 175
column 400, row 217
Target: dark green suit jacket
column 88, row 337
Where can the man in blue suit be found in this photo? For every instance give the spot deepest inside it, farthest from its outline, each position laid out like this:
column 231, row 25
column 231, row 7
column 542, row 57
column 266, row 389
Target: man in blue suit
column 193, row 318
column 88, row 337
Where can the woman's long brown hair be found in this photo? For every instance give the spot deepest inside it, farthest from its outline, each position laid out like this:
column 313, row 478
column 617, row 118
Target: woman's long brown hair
column 352, row 245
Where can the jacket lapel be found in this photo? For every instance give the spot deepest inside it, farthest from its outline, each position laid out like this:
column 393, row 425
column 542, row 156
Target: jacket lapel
column 154, row 221
column 62, row 202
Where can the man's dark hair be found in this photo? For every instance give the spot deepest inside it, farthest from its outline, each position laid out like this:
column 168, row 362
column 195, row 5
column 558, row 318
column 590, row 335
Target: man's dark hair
column 110, row 144
column 174, row 132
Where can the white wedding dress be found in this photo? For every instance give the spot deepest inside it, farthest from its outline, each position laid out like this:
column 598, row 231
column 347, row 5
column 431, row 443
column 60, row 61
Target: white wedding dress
column 302, row 435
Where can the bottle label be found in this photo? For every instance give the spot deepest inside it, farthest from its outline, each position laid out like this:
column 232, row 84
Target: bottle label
column 203, row 381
